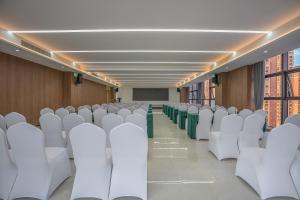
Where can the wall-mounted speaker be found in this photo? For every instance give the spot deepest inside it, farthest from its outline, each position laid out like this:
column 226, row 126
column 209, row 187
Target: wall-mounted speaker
column 77, row 78
column 178, row 90
column 117, row 90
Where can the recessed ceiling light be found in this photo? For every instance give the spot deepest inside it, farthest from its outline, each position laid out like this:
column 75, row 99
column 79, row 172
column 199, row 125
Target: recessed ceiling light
column 142, row 30
column 141, row 51
column 265, row 51
column 17, row 50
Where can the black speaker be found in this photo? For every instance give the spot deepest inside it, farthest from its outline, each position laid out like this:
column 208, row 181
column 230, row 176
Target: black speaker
column 215, row 79
column 77, row 78
column 178, row 89
column 117, row 90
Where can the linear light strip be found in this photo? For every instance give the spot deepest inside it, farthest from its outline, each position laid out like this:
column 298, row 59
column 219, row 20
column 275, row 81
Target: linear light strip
column 142, row 51
column 140, row 30
column 136, row 62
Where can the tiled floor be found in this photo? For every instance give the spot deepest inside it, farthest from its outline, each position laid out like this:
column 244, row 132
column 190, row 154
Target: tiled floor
column 183, row 169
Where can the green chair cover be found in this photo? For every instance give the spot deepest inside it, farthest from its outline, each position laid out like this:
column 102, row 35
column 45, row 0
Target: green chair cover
column 150, row 124
column 171, row 113
column 182, row 117
column 175, row 114
column 192, row 124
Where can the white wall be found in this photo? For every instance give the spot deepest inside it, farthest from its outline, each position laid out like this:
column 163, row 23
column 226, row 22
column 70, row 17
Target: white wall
column 126, row 94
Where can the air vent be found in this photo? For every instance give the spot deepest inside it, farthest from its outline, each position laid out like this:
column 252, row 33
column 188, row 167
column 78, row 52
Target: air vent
column 34, row 48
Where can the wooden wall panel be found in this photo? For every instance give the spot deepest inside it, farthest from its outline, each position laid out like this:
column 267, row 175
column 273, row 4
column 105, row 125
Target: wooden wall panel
column 235, row 88
column 26, row 87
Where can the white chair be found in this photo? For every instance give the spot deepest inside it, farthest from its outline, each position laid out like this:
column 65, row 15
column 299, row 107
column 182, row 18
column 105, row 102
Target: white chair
column 14, row 118
column 129, row 145
column 295, row 171
column 245, row 113
column 252, row 131
column 124, row 112
column 138, row 120
column 261, row 112
column 2, row 123
column 51, row 126
column 8, row 170
column 95, row 107
column 46, row 110
column 40, row 170
column 98, row 115
column 69, row 122
column 218, row 116
column 86, row 114
column 71, row 109
column 140, row 111
column 88, row 107
column 204, row 124
column 93, row 167
column 267, row 171
column 61, row 112
column 223, row 143
column 80, row 107
column 295, row 119
column 232, row 110
column 109, row 122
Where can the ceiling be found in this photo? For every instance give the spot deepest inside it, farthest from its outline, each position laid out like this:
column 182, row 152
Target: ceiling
column 160, row 68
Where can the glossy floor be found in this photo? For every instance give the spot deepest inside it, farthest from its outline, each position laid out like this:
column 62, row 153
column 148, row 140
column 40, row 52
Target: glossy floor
column 182, row 169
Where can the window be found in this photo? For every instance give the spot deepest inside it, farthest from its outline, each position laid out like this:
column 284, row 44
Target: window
column 193, row 93
column 209, row 93
column 282, row 87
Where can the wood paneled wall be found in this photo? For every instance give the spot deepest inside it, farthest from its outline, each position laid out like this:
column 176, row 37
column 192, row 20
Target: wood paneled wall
column 184, row 92
column 235, row 88
column 27, row 87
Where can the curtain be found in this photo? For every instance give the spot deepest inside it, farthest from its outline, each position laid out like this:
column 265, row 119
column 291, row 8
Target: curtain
column 200, row 91
column 258, row 83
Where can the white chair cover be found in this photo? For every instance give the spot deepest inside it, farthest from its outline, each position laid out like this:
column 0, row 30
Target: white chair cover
column 109, row 122
column 193, row 109
column 129, row 145
column 95, row 107
column 98, row 115
column 8, row 170
column 69, row 122
column 295, row 119
column 268, row 170
column 61, row 112
column 46, row 110
column 40, row 170
column 223, row 144
column 124, row 112
column 138, row 120
column 86, row 114
column 245, row 113
column 252, row 131
column 71, row 109
column 261, row 112
column 232, row 110
column 93, row 167
column 2, row 123
column 204, row 124
column 140, row 111
column 14, row 118
column 218, row 116
column 88, row 107
column 51, row 126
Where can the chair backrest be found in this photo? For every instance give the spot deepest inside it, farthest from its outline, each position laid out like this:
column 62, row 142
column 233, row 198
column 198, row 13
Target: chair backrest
column 72, row 120
column 138, row 120
column 205, row 120
column 232, row 110
column 231, row 124
column 86, row 114
column 4, row 153
column 51, row 126
column 46, row 110
column 110, row 121
column 140, row 111
column 253, row 124
column 218, row 116
column 71, row 109
column 28, row 146
column 98, row 115
column 245, row 113
column 294, row 119
column 95, row 107
column 61, row 112
column 193, row 109
column 129, row 144
column 124, row 112
column 281, row 147
column 2, row 123
column 14, row 118
column 88, row 107
column 94, row 140
column 261, row 112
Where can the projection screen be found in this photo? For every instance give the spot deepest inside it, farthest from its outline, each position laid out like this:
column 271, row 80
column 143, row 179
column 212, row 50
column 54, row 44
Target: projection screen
column 150, row 94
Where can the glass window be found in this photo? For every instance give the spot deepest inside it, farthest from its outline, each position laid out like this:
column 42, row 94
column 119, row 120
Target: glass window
column 294, row 59
column 206, row 89
column 293, row 84
column 273, row 108
column 273, row 65
column 293, row 107
column 273, row 86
